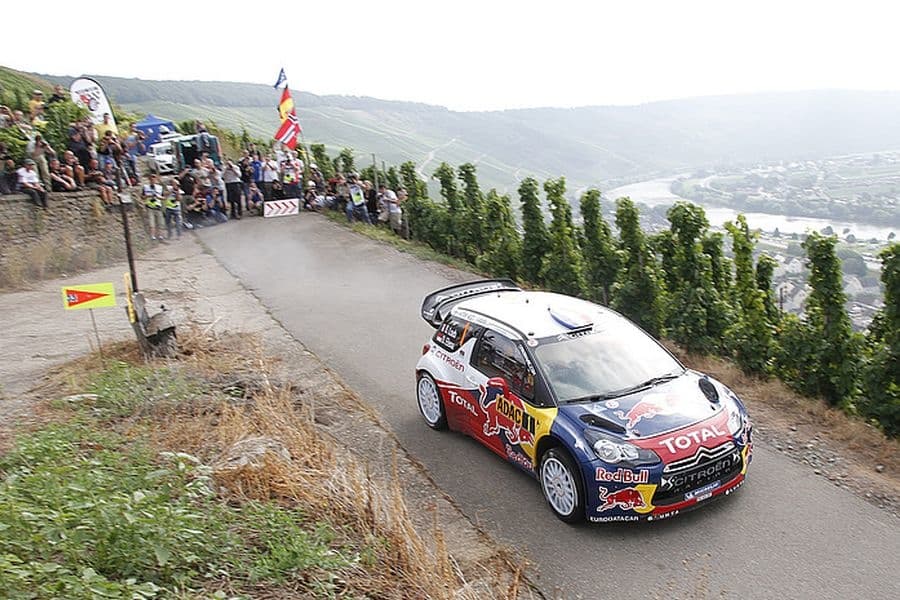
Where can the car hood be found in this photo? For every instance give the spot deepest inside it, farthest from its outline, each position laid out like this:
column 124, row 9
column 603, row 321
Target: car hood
column 653, row 411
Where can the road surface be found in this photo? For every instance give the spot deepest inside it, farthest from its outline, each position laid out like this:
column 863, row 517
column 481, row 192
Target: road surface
column 786, row 534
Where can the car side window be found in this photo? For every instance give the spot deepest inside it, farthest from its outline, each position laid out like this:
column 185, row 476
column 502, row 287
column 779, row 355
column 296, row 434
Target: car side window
column 499, row 356
column 454, row 332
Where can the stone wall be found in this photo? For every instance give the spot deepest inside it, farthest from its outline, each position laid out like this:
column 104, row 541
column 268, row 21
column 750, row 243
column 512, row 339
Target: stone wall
column 73, row 234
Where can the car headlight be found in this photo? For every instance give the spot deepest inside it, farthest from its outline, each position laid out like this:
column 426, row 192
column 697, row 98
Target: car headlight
column 615, row 451
column 735, row 421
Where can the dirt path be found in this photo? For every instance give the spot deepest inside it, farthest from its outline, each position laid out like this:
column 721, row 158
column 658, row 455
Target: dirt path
column 39, row 334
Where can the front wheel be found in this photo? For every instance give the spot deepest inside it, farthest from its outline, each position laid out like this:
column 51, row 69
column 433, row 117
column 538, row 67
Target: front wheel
column 562, row 486
column 430, row 404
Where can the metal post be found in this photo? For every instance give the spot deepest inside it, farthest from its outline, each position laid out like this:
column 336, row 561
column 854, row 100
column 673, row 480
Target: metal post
column 375, row 170
column 131, row 270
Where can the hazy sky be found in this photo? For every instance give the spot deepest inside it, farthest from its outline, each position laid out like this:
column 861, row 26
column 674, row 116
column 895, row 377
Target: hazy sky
column 470, row 55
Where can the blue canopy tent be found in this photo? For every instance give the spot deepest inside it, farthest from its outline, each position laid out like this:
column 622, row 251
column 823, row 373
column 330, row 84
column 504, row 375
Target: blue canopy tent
column 150, row 126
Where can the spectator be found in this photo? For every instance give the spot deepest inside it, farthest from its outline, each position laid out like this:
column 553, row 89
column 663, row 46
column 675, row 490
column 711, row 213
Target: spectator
column 59, row 95
column 289, row 178
column 311, row 197
column 256, row 164
column 106, row 126
column 231, row 176
column 59, row 180
column 107, row 148
column 72, row 167
column 187, row 182
column 196, row 211
column 30, row 184
column 37, row 99
column 172, row 207
column 37, row 119
column 392, row 204
column 6, row 117
column 79, row 147
column 246, row 173
column 134, row 147
column 201, row 176
column 356, row 202
column 40, row 151
column 9, row 178
column 153, row 197
column 94, row 179
column 254, row 199
column 215, row 205
column 269, row 177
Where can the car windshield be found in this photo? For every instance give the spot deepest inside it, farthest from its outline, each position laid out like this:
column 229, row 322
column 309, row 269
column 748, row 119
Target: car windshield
column 615, row 361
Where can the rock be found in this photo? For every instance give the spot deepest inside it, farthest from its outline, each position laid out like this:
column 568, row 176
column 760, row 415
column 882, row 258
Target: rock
column 879, row 468
column 790, row 448
column 810, row 446
column 818, row 471
column 76, row 398
column 793, row 428
column 251, row 452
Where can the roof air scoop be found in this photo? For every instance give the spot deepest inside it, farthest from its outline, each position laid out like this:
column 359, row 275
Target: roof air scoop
column 571, row 320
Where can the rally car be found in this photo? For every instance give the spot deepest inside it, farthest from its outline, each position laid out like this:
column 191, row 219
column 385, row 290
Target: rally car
column 612, row 425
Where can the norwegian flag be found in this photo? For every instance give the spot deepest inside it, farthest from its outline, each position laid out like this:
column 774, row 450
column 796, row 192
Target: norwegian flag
column 289, row 130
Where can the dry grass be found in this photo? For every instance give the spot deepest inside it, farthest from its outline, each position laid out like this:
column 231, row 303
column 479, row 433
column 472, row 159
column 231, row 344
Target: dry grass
column 322, row 478
column 771, row 400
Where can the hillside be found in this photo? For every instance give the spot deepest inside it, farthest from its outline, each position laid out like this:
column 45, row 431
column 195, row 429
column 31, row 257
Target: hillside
column 602, row 146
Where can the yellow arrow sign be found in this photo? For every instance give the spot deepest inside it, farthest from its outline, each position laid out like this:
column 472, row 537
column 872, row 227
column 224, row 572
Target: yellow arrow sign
column 95, row 295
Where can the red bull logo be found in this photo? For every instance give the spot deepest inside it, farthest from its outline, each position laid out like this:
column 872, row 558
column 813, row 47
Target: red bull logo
column 626, row 499
column 506, row 414
column 648, row 407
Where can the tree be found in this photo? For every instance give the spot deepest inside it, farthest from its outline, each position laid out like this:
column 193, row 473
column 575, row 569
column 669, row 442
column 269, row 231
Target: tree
column 598, row 248
column 345, row 158
column 415, row 187
column 454, row 243
column 765, row 268
column 563, row 269
column 503, row 254
column 698, row 314
column 536, row 239
column 751, row 334
column 713, row 244
column 835, row 351
column 392, row 178
column 322, row 160
column 881, row 370
column 636, row 294
column 473, row 213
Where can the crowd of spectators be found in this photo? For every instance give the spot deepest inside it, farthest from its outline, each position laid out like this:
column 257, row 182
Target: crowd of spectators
column 96, row 157
column 208, row 192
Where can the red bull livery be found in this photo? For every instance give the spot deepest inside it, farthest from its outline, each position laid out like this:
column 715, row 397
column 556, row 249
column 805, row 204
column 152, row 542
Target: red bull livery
column 612, row 426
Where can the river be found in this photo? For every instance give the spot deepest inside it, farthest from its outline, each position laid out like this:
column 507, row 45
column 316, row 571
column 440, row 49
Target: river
column 656, row 192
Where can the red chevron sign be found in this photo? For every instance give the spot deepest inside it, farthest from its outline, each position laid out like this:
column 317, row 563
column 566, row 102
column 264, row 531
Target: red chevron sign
column 281, row 208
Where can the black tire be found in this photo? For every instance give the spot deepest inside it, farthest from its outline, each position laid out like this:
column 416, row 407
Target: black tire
column 431, row 405
column 562, row 486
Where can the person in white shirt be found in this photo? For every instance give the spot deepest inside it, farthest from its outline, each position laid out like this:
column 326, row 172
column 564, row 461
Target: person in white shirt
column 395, row 213
column 269, row 176
column 30, row 184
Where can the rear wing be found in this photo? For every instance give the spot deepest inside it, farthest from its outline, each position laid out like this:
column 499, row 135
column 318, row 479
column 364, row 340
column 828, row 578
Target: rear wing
column 437, row 304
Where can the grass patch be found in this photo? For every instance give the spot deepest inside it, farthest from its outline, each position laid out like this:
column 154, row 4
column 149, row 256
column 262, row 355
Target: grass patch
column 136, row 488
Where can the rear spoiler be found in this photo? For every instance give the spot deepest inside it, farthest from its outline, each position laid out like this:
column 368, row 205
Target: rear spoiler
column 437, row 304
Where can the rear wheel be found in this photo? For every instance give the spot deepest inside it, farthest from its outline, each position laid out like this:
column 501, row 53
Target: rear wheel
column 562, row 486
column 430, row 404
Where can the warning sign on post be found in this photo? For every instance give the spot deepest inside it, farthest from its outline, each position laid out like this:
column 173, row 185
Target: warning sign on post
column 93, row 295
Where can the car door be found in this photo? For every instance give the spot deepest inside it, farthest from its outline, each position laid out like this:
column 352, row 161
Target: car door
column 453, row 344
column 509, row 423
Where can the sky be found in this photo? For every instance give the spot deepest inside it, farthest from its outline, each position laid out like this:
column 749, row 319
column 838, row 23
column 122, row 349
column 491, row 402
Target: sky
column 471, row 55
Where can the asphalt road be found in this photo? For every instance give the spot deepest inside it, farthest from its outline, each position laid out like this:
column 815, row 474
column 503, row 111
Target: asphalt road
column 786, row 534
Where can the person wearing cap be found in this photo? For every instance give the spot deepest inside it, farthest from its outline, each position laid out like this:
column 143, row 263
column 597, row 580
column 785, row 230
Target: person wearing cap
column 310, row 198
column 30, row 184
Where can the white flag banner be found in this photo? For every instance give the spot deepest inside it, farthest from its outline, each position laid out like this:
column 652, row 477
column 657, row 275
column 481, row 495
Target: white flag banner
column 88, row 93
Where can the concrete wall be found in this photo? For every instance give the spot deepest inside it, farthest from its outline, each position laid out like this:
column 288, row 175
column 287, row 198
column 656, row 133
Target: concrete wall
column 75, row 233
